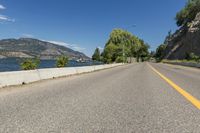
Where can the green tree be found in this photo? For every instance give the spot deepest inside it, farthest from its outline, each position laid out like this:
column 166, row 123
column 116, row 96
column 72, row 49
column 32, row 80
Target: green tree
column 188, row 13
column 97, row 55
column 120, row 42
column 140, row 50
column 110, row 53
column 143, row 52
column 119, row 59
column 62, row 61
column 159, row 55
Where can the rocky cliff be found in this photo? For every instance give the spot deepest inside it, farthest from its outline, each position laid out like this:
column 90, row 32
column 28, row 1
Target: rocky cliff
column 184, row 41
column 30, row 48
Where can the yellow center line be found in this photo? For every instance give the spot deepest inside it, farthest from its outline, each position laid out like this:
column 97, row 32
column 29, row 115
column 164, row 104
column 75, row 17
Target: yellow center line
column 184, row 93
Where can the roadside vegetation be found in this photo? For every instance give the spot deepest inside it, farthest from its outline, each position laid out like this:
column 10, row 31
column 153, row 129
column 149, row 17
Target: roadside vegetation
column 62, row 61
column 188, row 13
column 191, row 58
column 159, row 55
column 97, row 55
column 180, row 61
column 183, row 19
column 121, row 45
column 30, row 64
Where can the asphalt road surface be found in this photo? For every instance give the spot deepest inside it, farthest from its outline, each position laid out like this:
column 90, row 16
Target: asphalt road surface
column 126, row 99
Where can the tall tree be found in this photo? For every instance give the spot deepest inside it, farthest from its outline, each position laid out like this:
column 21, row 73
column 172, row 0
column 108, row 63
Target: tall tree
column 97, row 55
column 121, row 45
column 160, row 52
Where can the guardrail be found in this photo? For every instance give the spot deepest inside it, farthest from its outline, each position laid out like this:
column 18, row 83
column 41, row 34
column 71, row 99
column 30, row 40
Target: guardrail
column 25, row 77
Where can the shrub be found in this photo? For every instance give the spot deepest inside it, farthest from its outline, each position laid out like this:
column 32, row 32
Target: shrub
column 30, row 64
column 193, row 57
column 61, row 61
column 178, row 61
column 119, row 59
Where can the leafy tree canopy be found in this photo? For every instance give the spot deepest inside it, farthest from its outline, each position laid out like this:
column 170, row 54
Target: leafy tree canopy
column 188, row 13
column 97, row 55
column 120, row 42
column 160, row 52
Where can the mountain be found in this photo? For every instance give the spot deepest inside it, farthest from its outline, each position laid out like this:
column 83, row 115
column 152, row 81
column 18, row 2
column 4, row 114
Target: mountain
column 184, row 41
column 30, row 48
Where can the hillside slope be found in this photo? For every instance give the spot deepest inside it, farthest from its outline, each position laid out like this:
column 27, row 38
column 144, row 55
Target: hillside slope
column 30, row 48
column 184, row 41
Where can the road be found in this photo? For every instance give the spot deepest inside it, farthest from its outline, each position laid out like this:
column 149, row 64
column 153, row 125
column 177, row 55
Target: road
column 127, row 99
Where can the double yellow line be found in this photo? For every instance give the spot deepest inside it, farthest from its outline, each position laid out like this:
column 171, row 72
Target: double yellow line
column 184, row 93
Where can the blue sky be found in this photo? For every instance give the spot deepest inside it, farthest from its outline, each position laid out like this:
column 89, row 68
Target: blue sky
column 86, row 24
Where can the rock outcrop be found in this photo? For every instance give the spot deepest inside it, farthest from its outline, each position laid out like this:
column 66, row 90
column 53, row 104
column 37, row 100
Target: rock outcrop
column 184, row 41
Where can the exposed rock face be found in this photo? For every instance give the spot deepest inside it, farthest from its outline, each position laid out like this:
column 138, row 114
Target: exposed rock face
column 184, row 41
column 30, row 48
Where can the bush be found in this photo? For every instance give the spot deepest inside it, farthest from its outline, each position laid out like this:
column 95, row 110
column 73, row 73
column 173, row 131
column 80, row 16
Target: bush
column 178, row 61
column 61, row 61
column 119, row 59
column 193, row 57
column 30, row 64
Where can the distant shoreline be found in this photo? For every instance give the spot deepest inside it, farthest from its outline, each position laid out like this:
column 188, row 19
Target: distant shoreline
column 13, row 64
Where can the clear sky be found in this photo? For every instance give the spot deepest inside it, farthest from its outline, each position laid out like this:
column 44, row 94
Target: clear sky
column 86, row 24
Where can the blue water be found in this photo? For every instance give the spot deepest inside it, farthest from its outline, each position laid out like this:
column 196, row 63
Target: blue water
column 13, row 64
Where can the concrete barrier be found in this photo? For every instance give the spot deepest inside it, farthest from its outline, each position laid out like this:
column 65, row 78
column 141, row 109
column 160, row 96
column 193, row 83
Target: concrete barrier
column 24, row 77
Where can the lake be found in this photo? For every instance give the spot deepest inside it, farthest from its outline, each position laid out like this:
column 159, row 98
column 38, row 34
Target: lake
column 13, row 64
